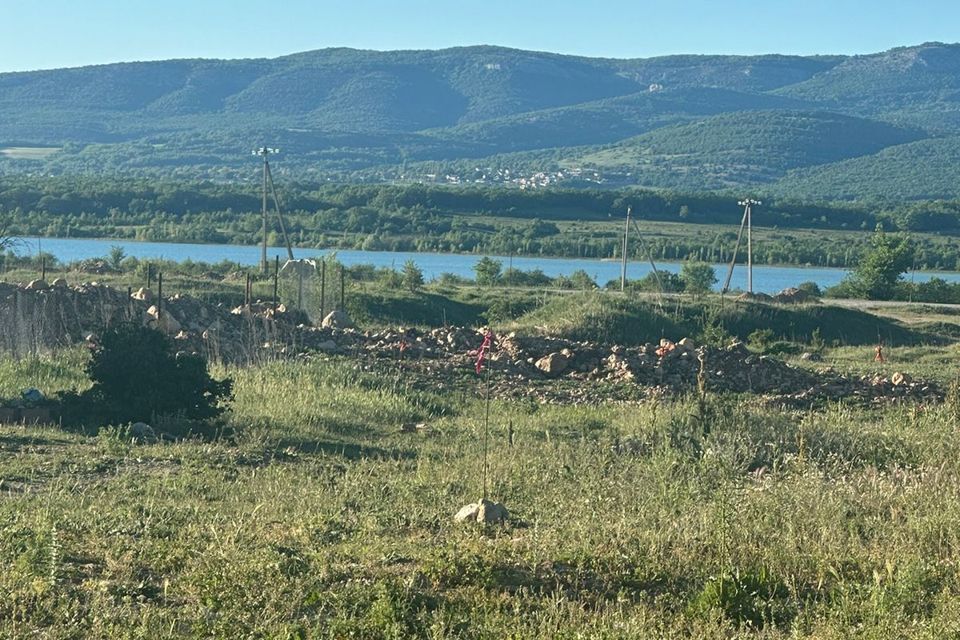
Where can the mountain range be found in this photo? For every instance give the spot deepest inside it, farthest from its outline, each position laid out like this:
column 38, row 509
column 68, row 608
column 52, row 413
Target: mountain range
column 884, row 125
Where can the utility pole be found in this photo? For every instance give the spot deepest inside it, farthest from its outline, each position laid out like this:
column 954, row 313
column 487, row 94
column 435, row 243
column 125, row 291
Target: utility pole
column 733, row 260
column 748, row 215
column 264, row 152
column 749, row 249
column 646, row 250
column 623, row 257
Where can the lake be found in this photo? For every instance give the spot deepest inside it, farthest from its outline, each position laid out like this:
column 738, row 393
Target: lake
column 766, row 279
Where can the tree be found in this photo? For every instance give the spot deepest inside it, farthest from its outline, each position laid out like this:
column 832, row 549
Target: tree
column 811, row 288
column 488, row 271
column 876, row 275
column 116, row 256
column 540, row 229
column 579, row 279
column 697, row 277
column 516, row 278
column 670, row 282
column 412, row 276
column 137, row 376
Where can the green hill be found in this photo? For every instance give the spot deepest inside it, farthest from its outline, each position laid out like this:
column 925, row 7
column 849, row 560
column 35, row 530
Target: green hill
column 350, row 90
column 912, row 85
column 496, row 115
column 897, row 173
column 605, row 120
column 743, row 148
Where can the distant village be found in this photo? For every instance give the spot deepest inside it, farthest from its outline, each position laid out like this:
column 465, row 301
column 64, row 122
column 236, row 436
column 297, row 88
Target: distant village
column 507, row 177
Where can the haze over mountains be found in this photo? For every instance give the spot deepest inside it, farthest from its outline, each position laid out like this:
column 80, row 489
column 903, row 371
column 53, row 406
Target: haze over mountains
column 885, row 125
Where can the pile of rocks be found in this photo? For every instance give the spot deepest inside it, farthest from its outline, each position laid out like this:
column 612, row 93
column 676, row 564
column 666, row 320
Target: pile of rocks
column 869, row 389
column 675, row 365
column 792, row 295
column 39, row 316
column 534, row 365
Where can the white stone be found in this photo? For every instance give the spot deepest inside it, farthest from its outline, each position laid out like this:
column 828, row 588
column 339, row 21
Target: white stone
column 142, row 294
column 337, row 320
column 553, row 364
column 162, row 320
column 485, row 511
column 468, row 513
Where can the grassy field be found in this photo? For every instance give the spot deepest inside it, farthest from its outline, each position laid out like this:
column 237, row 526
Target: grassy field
column 319, row 518
column 314, row 515
column 28, row 153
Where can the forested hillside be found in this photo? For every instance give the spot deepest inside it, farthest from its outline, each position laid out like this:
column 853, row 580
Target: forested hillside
column 744, row 147
column 820, row 127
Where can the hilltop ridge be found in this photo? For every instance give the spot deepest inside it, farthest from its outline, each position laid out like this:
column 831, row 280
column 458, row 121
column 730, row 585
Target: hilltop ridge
column 350, row 114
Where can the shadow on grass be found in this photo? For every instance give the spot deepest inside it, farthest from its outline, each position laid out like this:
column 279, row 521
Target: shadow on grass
column 15, row 442
column 347, row 450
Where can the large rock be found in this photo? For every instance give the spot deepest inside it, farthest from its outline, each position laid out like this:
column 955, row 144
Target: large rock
column 492, row 512
column 60, row 283
column 37, row 285
column 900, row 379
column 337, row 320
column 463, row 339
column 553, row 364
column 468, row 513
column 142, row 432
column 485, row 512
column 162, row 320
column 142, row 294
column 33, row 395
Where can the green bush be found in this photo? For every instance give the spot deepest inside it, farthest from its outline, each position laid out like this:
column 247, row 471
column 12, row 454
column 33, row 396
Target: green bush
column 697, row 277
column 811, row 288
column 137, row 376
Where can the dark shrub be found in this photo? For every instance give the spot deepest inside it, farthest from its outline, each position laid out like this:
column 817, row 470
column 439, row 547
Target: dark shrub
column 137, row 376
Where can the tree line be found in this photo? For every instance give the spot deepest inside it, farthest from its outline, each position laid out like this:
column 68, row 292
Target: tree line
column 465, row 219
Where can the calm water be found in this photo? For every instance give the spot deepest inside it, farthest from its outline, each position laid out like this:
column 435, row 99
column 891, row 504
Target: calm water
column 766, row 279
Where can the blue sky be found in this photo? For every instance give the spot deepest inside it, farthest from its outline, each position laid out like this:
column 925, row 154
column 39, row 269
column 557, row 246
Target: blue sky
column 42, row 34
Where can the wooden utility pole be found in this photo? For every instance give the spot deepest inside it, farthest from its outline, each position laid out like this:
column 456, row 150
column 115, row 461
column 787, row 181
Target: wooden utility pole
column 646, row 250
column 623, row 257
column 276, row 282
column 264, row 152
column 276, row 204
column 263, row 247
column 323, row 286
column 748, row 213
column 736, row 249
column 749, row 249
column 747, row 205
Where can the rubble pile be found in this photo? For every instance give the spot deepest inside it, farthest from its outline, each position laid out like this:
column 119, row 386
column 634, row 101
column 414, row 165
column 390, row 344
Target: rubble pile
column 536, row 365
column 792, row 295
column 39, row 316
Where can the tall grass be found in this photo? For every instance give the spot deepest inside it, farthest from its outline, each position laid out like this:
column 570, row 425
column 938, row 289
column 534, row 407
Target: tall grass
column 322, row 519
column 628, row 320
